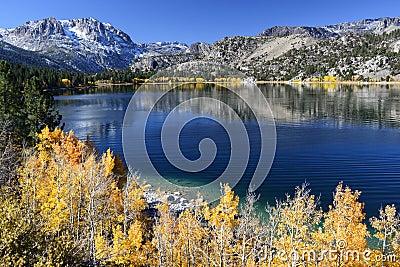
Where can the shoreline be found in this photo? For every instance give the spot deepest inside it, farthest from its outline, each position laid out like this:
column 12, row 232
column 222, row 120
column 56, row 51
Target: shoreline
column 292, row 83
column 330, row 83
column 260, row 82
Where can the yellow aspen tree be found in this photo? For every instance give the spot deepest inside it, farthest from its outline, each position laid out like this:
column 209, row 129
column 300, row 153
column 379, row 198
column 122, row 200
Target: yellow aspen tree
column 181, row 238
column 271, row 232
column 48, row 179
column 190, row 240
column 126, row 248
column 129, row 245
column 298, row 217
column 164, row 236
column 222, row 221
column 16, row 234
column 343, row 226
column 43, row 200
column 99, row 190
column 387, row 230
column 250, row 234
column 41, row 189
column 133, row 202
column 70, row 192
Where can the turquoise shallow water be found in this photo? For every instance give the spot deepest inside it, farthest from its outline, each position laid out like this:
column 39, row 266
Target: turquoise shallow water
column 323, row 137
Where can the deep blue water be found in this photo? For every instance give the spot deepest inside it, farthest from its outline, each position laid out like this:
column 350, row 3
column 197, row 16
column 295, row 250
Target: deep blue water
column 323, row 137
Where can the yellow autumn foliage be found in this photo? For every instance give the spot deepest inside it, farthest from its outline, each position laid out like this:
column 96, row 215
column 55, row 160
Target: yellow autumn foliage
column 76, row 207
column 75, row 193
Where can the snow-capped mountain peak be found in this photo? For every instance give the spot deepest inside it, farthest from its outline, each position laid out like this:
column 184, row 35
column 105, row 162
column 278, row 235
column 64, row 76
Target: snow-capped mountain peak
column 84, row 44
column 94, row 30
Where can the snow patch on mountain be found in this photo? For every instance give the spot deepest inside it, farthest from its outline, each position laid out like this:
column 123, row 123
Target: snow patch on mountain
column 163, row 48
column 84, row 44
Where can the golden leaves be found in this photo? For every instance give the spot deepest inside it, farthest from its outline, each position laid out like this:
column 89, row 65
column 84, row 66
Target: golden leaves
column 74, row 193
column 226, row 211
column 84, row 202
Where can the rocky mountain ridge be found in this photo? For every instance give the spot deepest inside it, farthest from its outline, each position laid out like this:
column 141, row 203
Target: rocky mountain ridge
column 366, row 26
column 362, row 50
column 367, row 48
column 85, row 44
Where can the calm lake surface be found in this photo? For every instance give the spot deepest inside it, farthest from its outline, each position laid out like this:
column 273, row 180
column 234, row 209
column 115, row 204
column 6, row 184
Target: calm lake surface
column 324, row 135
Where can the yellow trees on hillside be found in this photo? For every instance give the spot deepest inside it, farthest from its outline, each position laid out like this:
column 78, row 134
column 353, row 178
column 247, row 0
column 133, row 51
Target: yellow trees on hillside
column 222, row 221
column 344, row 229
column 328, row 78
column 191, row 238
column 203, row 236
column 298, row 218
column 130, row 243
column 15, row 233
column 76, row 207
column 387, row 231
column 71, row 192
column 181, row 240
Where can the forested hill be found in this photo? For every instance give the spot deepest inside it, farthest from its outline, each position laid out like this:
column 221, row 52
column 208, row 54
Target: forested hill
column 53, row 78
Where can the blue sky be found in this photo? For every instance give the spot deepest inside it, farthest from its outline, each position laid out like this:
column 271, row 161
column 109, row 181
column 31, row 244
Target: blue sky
column 191, row 21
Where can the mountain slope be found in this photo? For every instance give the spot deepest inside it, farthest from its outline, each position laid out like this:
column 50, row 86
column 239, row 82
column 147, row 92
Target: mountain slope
column 18, row 55
column 85, row 44
column 362, row 50
column 367, row 26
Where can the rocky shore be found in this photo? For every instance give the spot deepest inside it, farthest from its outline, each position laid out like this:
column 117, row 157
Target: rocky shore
column 175, row 200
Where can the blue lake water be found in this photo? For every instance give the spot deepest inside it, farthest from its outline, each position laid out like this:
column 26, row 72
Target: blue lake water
column 324, row 136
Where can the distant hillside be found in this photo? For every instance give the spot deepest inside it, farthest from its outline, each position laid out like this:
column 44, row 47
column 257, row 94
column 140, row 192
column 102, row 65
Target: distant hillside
column 362, row 50
column 350, row 57
column 17, row 55
column 367, row 26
